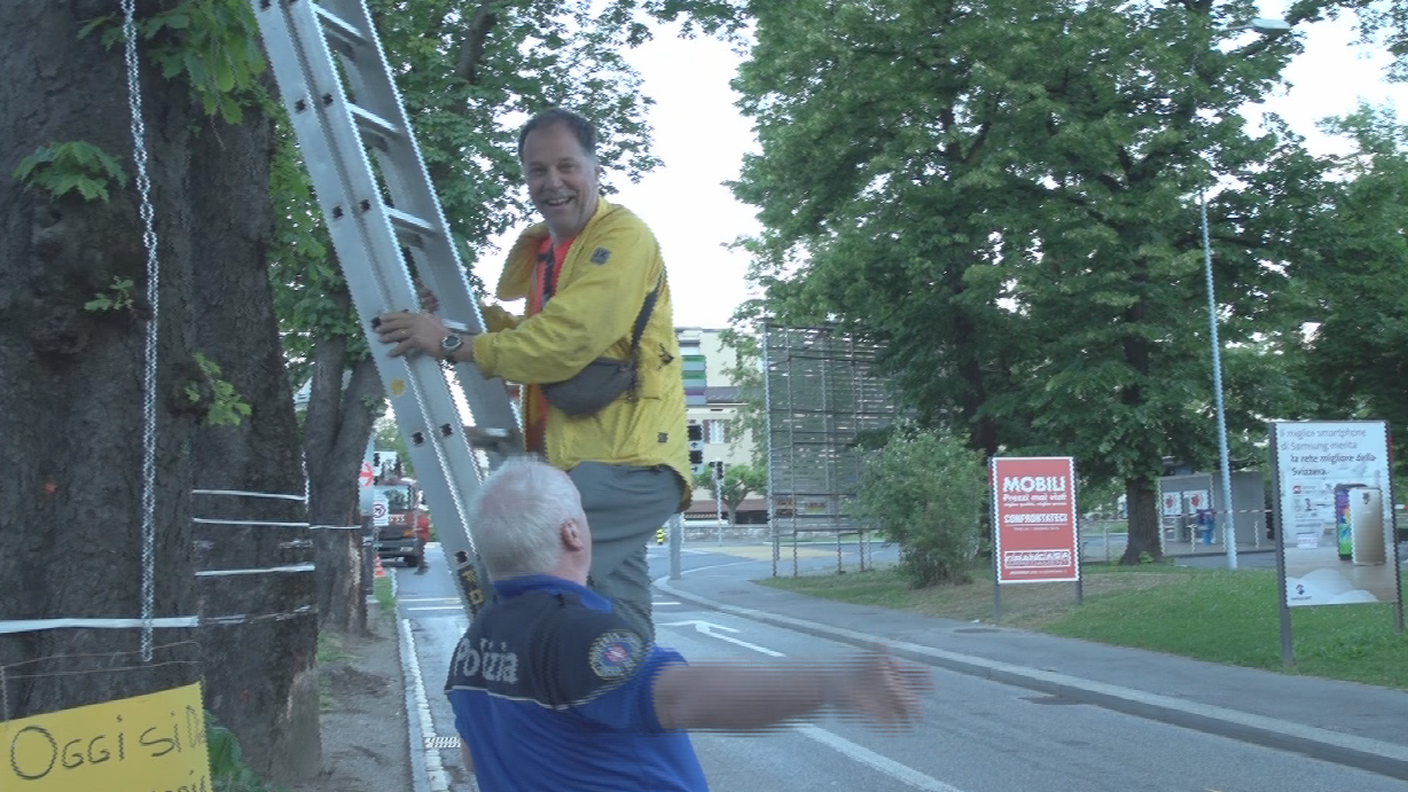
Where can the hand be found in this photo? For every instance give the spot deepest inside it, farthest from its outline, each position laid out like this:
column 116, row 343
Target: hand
column 880, row 689
column 428, row 301
column 421, row 332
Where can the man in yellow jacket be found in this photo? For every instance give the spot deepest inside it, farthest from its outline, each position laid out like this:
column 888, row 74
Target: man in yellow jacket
column 586, row 273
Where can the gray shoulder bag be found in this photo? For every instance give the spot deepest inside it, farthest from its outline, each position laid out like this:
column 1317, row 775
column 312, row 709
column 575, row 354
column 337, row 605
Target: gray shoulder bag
column 603, row 380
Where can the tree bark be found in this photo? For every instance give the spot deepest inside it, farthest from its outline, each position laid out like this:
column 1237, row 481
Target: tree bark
column 260, row 670
column 1142, row 502
column 338, row 424
column 1140, row 498
column 72, row 405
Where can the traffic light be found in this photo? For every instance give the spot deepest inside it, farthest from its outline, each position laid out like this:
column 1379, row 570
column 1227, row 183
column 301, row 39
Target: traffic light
column 696, row 447
column 718, row 466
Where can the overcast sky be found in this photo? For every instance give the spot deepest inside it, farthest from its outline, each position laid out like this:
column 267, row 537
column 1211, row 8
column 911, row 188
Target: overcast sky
column 701, row 137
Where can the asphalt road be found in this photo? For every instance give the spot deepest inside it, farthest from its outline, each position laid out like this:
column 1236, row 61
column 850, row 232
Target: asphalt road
column 978, row 735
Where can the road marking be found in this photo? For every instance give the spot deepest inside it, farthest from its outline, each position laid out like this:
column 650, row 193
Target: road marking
column 707, row 628
column 427, row 599
column 719, row 566
column 664, row 602
column 437, row 608
column 884, row 764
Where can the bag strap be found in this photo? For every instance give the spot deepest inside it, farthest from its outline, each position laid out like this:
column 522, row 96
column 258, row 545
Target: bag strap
column 643, row 318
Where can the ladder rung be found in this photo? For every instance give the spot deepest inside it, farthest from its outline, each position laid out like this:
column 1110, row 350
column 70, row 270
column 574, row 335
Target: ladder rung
column 343, row 36
column 373, row 125
column 409, row 228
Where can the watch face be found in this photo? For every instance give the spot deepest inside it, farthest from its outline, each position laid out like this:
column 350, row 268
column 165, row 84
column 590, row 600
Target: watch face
column 451, row 342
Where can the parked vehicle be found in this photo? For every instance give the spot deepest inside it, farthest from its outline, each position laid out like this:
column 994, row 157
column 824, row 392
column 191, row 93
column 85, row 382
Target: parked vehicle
column 393, row 510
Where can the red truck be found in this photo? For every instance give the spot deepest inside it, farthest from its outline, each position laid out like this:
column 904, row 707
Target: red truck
column 394, row 509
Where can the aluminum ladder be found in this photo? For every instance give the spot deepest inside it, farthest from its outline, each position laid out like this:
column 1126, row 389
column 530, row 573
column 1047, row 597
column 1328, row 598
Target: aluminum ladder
column 382, row 220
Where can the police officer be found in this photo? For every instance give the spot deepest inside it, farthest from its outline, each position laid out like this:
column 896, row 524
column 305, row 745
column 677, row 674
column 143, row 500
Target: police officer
column 553, row 690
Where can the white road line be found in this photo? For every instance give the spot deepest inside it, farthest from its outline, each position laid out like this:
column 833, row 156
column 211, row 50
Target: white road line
column 664, row 603
column 427, row 599
column 710, row 629
column 719, row 566
column 884, row 764
column 436, row 608
column 746, row 645
column 900, row 772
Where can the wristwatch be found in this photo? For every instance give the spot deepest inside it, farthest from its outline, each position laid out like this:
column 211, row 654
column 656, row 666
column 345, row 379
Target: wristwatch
column 449, row 346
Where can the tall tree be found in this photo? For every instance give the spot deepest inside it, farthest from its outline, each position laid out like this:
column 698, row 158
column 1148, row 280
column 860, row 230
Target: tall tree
column 1007, row 194
column 261, row 673
column 73, row 286
column 1356, row 335
column 231, row 380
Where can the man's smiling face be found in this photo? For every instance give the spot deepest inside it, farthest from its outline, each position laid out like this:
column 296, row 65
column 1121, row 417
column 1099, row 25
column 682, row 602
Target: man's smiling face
column 562, row 179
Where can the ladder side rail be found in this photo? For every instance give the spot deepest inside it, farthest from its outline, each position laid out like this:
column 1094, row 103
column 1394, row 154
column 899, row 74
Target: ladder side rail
column 371, row 257
column 437, row 260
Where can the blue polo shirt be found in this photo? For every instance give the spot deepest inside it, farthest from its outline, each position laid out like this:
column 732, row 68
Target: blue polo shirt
column 553, row 692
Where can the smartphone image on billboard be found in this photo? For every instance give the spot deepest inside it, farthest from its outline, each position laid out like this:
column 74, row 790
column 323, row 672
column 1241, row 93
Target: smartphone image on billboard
column 1343, row 534
column 1366, row 519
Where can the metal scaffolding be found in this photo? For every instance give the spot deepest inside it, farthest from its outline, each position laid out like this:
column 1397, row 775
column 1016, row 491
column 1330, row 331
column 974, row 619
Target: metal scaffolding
column 820, row 393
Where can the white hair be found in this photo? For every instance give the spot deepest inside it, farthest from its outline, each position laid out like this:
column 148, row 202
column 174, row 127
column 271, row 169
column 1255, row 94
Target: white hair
column 517, row 516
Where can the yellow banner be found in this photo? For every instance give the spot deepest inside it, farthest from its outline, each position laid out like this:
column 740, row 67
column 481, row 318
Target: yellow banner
column 145, row 743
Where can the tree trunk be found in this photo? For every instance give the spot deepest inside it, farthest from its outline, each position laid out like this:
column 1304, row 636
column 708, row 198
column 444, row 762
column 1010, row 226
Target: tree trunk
column 72, row 404
column 1141, row 500
column 260, row 671
column 336, row 429
column 1142, row 503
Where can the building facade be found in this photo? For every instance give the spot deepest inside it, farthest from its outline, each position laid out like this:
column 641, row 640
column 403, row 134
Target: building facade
column 712, row 402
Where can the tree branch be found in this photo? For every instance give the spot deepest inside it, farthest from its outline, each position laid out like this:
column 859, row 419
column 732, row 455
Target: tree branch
column 472, row 47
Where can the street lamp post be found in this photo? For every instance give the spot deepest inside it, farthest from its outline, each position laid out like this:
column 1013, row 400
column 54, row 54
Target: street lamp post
column 1229, row 524
column 1268, row 28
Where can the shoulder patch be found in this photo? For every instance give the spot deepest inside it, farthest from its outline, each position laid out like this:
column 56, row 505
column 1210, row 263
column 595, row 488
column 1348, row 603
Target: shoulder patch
column 600, row 255
column 615, row 654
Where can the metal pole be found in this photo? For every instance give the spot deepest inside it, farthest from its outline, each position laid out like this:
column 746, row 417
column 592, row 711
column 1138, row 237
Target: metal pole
column 676, row 540
column 1278, row 521
column 1229, row 529
column 765, row 369
column 718, row 502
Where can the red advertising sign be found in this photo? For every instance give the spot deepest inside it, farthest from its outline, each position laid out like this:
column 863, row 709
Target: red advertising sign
column 1034, row 519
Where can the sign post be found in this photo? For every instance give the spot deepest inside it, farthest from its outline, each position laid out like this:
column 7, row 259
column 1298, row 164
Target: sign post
column 1036, row 538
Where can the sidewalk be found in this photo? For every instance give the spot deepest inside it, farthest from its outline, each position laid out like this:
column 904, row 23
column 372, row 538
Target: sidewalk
column 1343, row 722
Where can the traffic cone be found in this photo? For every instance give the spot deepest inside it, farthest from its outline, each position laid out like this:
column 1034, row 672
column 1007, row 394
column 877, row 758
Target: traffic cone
column 377, row 569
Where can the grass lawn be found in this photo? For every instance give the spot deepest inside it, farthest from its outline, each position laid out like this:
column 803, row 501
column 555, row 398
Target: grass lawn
column 1222, row 616
column 381, row 589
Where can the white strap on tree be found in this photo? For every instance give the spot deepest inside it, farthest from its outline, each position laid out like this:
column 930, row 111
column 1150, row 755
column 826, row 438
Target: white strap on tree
column 149, row 242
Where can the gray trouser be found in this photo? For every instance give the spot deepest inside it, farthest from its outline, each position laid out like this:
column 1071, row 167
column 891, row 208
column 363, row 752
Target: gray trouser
column 624, row 506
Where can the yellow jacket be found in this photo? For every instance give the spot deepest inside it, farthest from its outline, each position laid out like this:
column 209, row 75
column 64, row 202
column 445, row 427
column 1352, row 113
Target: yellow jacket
column 605, row 277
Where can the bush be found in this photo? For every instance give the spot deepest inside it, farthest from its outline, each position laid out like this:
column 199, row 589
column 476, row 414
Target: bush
column 926, row 492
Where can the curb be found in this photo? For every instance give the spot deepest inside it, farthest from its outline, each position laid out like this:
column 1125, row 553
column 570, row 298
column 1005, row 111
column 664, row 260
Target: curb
column 422, row 772
column 1375, row 756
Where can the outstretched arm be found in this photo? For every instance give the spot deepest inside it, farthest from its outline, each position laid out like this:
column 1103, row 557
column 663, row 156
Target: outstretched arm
column 739, row 696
